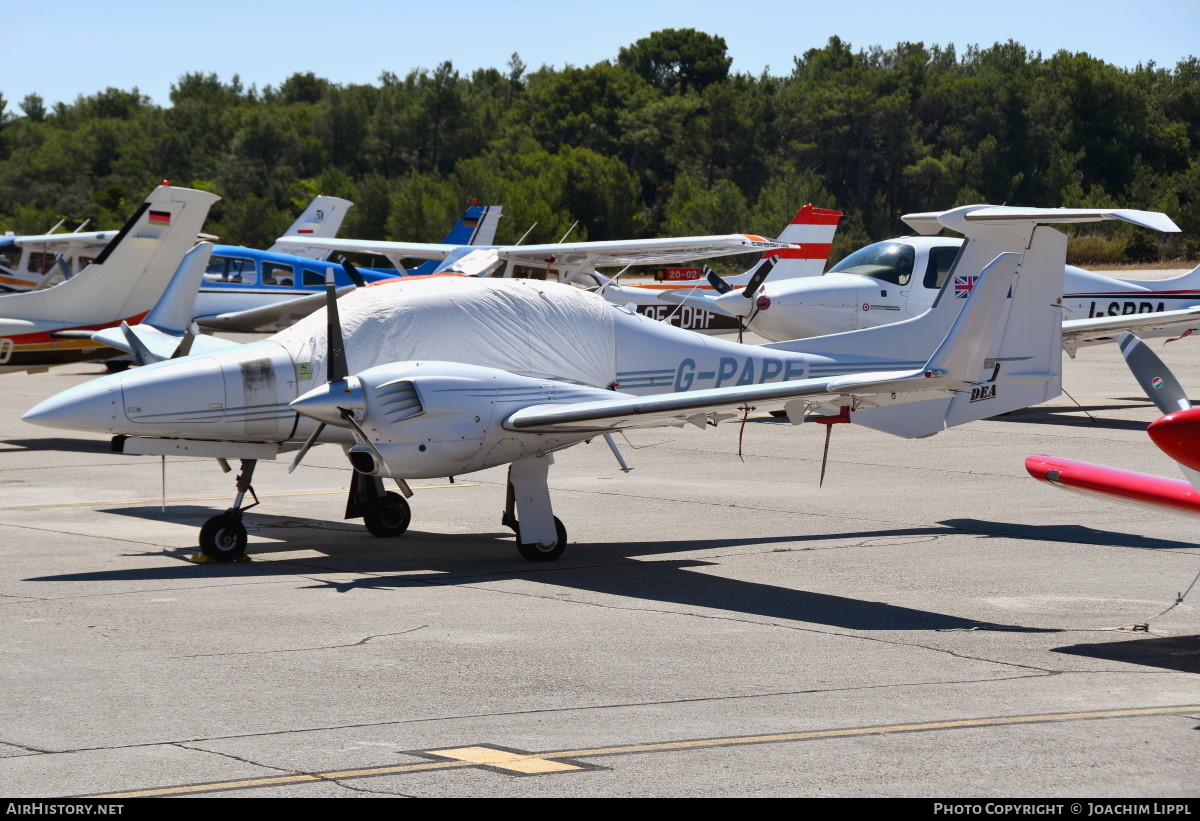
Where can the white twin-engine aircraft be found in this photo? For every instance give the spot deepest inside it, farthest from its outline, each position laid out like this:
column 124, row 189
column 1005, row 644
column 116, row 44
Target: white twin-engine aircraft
column 449, row 375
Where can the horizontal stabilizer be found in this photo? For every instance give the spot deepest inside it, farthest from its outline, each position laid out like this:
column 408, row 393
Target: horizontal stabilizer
column 958, row 219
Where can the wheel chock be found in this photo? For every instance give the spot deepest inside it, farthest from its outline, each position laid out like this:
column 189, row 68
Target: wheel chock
column 200, row 558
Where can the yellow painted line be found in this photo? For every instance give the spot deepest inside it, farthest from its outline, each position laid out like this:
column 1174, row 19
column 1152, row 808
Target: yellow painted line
column 219, row 498
column 505, row 760
column 493, row 757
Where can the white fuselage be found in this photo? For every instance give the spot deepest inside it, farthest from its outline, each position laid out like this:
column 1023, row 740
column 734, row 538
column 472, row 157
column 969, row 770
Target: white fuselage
column 889, row 287
column 556, row 342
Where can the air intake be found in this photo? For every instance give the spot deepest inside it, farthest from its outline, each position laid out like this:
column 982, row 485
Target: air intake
column 397, row 401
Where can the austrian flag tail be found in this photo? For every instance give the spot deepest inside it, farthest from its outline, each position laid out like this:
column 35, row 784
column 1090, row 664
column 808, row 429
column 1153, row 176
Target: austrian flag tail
column 812, row 229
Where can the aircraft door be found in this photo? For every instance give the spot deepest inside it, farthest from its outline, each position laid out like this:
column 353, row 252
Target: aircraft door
column 937, row 265
column 879, row 303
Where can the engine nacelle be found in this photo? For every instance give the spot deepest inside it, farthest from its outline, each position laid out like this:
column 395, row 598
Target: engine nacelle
column 427, row 419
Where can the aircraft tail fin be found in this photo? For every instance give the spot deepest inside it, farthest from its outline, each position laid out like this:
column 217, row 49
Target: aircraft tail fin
column 130, row 274
column 812, row 229
column 477, row 227
column 321, row 219
column 1021, row 364
column 175, row 308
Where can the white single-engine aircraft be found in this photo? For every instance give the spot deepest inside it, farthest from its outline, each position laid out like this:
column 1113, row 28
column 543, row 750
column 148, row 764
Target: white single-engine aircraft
column 900, row 278
column 445, row 376
column 48, row 327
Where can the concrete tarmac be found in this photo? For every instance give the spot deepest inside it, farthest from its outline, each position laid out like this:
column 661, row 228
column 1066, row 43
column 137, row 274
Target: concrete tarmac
column 932, row 622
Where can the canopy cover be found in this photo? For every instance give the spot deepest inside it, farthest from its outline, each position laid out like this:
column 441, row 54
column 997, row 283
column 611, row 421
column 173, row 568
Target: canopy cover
column 532, row 328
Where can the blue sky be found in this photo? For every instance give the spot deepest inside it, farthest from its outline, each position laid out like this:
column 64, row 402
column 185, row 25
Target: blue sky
column 85, row 47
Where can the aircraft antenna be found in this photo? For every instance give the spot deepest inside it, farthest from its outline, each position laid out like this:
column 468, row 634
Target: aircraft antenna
column 82, row 225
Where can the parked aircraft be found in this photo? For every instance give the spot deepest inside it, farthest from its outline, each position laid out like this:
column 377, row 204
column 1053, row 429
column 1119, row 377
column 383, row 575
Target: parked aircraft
column 264, row 291
column 168, row 329
column 899, row 278
column 33, row 262
column 811, row 230
column 126, row 278
column 1176, row 434
column 438, row 376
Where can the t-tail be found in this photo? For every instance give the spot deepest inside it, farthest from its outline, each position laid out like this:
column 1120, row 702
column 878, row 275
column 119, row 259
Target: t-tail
column 132, row 271
column 321, row 219
column 1023, row 361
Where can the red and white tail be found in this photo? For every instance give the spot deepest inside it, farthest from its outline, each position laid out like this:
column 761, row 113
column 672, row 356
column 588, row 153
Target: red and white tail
column 812, row 229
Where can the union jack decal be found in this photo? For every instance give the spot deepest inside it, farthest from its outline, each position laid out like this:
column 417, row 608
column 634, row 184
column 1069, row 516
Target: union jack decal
column 963, row 286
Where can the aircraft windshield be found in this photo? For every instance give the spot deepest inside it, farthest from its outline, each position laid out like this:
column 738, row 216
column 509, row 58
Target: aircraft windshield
column 887, row 261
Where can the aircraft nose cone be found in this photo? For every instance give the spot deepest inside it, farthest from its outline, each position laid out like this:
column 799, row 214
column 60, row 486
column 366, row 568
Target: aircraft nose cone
column 324, row 403
column 1178, row 435
column 91, row 406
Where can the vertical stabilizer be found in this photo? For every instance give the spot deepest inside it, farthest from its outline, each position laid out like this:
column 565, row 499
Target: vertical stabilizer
column 132, row 272
column 321, row 219
column 812, row 229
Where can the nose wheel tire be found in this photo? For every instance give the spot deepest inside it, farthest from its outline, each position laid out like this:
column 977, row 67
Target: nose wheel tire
column 223, row 538
column 388, row 516
column 543, row 551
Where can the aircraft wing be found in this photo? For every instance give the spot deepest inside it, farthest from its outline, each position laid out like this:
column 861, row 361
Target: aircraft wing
column 624, row 411
column 568, row 255
column 384, row 248
column 64, row 242
column 1124, row 485
column 1094, row 330
column 268, row 318
column 573, row 255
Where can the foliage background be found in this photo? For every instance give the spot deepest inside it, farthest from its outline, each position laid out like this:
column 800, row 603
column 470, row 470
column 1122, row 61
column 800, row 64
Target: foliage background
column 661, row 140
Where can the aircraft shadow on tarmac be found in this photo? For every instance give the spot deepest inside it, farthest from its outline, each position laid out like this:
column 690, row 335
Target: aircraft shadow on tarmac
column 1075, row 534
column 58, row 444
column 1180, row 653
column 1074, row 415
column 623, row 569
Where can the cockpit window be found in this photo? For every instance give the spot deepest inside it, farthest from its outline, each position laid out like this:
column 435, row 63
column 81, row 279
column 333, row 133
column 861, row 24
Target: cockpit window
column 231, row 269
column 887, row 261
column 10, row 256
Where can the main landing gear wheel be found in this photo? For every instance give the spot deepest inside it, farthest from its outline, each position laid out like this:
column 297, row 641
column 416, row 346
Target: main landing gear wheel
column 223, row 537
column 543, row 551
column 388, row 516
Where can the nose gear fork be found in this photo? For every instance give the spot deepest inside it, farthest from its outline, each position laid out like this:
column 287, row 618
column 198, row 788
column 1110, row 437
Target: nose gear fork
column 223, row 537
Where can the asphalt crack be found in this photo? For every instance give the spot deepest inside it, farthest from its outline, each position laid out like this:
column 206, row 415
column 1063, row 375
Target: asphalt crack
column 358, row 643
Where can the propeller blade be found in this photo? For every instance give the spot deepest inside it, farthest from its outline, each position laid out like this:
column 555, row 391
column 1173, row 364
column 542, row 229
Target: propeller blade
column 719, row 285
column 308, row 443
column 185, row 344
column 1155, row 378
column 335, row 368
column 61, row 262
column 759, row 276
column 353, row 273
column 141, row 354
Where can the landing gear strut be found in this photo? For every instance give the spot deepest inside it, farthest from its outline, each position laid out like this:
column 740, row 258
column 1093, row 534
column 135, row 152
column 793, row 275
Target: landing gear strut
column 385, row 514
column 529, row 496
column 223, row 537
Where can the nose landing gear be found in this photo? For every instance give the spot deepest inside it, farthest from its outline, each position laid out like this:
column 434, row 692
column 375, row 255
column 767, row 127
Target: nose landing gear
column 223, row 537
